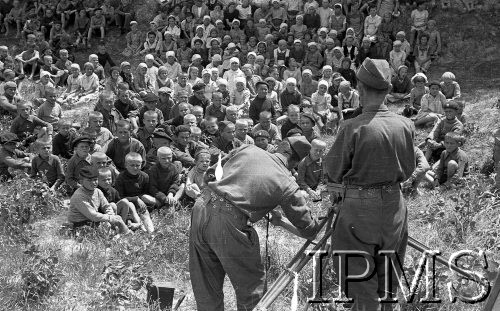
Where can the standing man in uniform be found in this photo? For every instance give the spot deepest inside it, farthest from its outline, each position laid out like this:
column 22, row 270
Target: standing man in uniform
column 222, row 239
column 372, row 155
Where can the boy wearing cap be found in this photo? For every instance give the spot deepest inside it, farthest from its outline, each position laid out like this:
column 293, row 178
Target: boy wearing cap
column 435, row 139
column 150, row 104
column 46, row 165
column 198, row 98
column 310, row 170
column 10, row 156
column 87, row 200
column 81, row 158
column 261, row 138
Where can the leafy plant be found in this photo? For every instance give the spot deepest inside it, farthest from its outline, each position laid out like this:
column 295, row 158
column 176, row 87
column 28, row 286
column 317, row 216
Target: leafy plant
column 41, row 274
column 121, row 279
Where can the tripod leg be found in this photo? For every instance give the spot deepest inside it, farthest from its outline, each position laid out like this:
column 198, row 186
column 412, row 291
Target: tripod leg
column 280, row 285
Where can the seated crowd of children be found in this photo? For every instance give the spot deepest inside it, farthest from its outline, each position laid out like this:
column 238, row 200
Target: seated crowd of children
column 215, row 76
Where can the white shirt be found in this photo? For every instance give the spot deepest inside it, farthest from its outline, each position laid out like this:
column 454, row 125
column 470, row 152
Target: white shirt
column 230, row 76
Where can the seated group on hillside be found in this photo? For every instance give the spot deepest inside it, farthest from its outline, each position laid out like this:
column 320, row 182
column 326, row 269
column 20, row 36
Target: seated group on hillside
column 215, row 76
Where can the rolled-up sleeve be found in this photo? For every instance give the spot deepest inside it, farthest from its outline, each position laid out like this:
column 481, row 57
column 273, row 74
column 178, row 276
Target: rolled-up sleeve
column 299, row 214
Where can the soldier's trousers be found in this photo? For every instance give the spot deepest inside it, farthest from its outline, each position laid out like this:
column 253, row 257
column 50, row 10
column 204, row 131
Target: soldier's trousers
column 371, row 220
column 221, row 242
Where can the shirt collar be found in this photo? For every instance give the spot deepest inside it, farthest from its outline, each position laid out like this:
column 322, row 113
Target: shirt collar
column 50, row 160
column 381, row 108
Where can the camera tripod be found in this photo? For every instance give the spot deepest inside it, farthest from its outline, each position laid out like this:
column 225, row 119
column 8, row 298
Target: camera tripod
column 301, row 258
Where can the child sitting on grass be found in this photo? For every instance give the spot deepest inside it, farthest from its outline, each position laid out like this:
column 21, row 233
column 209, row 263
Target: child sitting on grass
column 196, row 178
column 310, row 170
column 164, row 180
column 63, row 140
column 123, row 144
column 419, row 89
column 25, row 124
column 10, row 156
column 449, row 87
column 431, row 109
column 435, row 140
column 210, row 130
column 292, row 120
column 453, row 163
column 322, row 103
column 81, row 158
column 120, row 207
column 47, row 165
column 86, row 202
column 410, row 186
column 133, row 186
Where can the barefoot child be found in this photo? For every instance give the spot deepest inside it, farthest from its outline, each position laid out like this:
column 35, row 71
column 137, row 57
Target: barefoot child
column 133, row 186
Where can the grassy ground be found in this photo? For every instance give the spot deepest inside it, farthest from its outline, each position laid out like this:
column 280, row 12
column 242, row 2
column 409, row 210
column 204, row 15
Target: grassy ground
column 95, row 271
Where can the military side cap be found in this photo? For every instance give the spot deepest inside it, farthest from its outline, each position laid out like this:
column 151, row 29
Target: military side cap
column 8, row 137
column 309, row 116
column 149, row 97
column 434, row 82
column 451, row 105
column 300, row 145
column 10, row 85
column 199, row 86
column 89, row 172
column 82, row 139
column 223, row 124
column 375, row 73
column 261, row 133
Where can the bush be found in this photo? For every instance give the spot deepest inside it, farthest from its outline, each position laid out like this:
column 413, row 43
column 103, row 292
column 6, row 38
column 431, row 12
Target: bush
column 41, row 274
column 24, row 201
